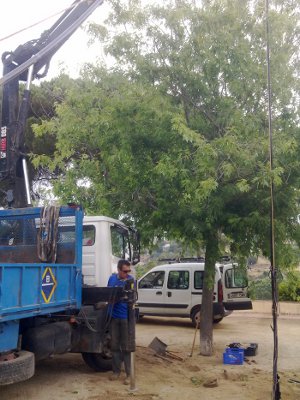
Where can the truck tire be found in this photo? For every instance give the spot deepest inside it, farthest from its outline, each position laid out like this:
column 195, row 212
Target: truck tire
column 97, row 361
column 18, row 369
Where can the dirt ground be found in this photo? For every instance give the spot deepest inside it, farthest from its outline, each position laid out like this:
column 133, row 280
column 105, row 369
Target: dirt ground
column 67, row 377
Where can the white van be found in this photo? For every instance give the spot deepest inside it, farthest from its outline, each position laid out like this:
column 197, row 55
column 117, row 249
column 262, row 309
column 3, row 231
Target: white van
column 175, row 290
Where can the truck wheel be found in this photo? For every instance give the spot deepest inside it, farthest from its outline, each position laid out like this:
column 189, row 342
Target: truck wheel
column 17, row 369
column 97, row 362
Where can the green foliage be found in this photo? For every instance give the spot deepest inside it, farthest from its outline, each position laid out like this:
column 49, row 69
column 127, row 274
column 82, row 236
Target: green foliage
column 142, row 269
column 289, row 288
column 218, row 77
column 260, row 289
column 174, row 138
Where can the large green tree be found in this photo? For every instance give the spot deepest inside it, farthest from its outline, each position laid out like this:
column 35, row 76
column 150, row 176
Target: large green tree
column 176, row 140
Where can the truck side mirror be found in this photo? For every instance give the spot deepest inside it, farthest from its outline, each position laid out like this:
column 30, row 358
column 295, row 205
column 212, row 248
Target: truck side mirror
column 136, row 248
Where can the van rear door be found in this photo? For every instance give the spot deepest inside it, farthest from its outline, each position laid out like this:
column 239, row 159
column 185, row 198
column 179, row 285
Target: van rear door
column 235, row 288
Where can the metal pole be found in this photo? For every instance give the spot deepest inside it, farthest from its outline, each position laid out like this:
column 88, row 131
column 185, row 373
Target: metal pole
column 132, row 372
column 29, row 77
column 273, row 269
column 24, row 162
column 132, row 345
column 26, row 179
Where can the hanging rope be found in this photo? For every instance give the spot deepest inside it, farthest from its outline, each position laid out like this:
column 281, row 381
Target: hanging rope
column 47, row 234
column 273, row 270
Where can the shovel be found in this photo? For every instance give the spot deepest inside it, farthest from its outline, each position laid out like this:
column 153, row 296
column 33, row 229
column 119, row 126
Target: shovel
column 160, row 349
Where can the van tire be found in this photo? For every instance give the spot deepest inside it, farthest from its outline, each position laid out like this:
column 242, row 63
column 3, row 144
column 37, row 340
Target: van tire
column 217, row 320
column 97, row 362
column 196, row 317
column 18, row 369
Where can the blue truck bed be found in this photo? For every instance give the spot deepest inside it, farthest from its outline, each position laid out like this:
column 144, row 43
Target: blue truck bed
column 28, row 286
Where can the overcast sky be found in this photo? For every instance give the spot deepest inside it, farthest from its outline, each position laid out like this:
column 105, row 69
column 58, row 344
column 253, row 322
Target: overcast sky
column 18, row 14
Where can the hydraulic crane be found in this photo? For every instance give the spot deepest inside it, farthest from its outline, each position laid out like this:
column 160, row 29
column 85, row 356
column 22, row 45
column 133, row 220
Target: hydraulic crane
column 27, row 62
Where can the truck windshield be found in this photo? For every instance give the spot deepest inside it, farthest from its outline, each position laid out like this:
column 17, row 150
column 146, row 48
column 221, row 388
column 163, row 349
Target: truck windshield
column 120, row 243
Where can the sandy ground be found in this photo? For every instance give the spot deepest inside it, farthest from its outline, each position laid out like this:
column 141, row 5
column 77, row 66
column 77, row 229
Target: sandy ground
column 67, row 377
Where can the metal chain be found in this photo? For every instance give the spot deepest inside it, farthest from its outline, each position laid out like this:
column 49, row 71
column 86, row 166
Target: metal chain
column 48, row 233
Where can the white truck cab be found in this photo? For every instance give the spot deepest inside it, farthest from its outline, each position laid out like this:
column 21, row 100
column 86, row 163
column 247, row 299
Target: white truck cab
column 105, row 241
column 175, row 290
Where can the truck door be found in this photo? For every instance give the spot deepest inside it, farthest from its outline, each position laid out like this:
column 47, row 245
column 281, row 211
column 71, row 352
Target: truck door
column 178, row 292
column 89, row 258
column 235, row 288
column 151, row 290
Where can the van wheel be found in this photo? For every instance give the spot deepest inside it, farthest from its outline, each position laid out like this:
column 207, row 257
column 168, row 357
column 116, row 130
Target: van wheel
column 217, row 320
column 139, row 317
column 196, row 317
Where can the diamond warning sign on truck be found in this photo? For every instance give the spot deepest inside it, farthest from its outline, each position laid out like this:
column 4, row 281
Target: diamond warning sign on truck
column 48, row 284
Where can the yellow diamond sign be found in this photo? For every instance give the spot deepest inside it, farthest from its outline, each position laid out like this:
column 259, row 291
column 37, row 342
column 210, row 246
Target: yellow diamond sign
column 48, row 284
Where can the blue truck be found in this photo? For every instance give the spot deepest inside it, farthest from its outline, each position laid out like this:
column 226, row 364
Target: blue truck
column 32, row 291
column 47, row 304
column 45, row 307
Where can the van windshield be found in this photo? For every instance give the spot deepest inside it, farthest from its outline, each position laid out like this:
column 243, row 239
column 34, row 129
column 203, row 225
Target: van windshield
column 152, row 280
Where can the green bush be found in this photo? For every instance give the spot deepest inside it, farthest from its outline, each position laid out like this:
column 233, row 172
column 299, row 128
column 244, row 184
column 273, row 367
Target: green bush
column 260, row 289
column 289, row 288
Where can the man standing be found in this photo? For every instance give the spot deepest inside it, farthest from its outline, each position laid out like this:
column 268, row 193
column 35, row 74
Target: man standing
column 119, row 324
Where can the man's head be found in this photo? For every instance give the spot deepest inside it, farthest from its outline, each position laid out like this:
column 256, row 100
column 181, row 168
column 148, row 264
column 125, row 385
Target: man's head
column 123, row 268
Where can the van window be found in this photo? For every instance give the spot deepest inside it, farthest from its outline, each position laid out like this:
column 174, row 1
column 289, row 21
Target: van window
column 235, row 278
column 152, row 280
column 198, row 279
column 88, row 235
column 178, row 280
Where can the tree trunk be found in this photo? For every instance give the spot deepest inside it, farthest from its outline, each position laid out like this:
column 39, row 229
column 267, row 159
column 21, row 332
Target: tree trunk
column 206, row 315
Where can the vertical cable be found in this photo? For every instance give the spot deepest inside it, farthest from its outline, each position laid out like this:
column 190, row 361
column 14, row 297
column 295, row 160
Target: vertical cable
column 273, row 270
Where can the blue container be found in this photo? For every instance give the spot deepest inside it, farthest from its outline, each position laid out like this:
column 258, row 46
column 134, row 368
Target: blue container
column 233, row 356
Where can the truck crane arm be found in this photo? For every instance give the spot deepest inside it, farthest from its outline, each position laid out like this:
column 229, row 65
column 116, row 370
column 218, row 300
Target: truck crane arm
column 28, row 62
